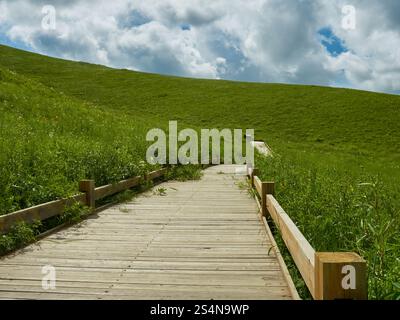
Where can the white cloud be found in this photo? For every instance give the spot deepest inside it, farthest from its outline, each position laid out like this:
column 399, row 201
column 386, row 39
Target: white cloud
column 257, row 40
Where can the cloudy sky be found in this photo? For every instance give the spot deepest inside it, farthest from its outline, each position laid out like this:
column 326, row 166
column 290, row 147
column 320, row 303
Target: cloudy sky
column 346, row 43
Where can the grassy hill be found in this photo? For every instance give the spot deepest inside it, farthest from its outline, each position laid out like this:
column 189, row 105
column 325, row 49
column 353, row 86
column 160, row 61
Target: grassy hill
column 337, row 150
column 311, row 117
column 50, row 141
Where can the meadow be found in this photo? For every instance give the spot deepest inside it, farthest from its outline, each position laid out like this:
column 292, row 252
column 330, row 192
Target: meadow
column 49, row 142
column 340, row 209
column 336, row 163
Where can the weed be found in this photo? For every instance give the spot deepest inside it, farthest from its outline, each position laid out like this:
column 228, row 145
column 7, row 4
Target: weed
column 123, row 209
column 20, row 235
column 184, row 173
column 73, row 214
column 160, row 191
column 125, row 196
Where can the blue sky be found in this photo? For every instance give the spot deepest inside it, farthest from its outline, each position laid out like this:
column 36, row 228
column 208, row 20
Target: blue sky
column 285, row 41
column 16, row 44
column 334, row 45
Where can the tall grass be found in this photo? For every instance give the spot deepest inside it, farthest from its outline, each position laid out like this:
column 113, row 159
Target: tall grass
column 341, row 210
column 49, row 142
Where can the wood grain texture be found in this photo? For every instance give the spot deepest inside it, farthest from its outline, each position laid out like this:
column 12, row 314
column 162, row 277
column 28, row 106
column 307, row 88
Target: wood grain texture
column 201, row 240
column 39, row 212
column 90, row 195
column 300, row 249
column 108, row 190
column 332, row 269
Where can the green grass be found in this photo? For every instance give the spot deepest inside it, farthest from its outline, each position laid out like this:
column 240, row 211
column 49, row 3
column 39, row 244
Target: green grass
column 315, row 118
column 184, row 173
column 50, row 141
column 340, row 209
column 337, row 174
column 20, row 235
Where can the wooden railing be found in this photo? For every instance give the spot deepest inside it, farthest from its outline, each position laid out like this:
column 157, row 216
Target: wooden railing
column 328, row 275
column 88, row 197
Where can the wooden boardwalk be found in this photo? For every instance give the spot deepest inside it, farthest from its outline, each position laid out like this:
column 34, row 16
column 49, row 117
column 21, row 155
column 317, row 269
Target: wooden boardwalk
column 201, row 240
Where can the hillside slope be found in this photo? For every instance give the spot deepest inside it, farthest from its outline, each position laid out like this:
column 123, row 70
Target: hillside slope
column 49, row 142
column 336, row 165
column 307, row 117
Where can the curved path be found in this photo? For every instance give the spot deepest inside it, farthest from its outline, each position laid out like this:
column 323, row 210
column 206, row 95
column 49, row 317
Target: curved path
column 184, row 240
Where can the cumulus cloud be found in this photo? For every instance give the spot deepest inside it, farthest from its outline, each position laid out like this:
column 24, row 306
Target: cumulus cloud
column 257, row 40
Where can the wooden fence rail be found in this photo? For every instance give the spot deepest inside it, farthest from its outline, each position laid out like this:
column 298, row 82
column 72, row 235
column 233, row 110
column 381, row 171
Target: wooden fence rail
column 328, row 275
column 88, row 197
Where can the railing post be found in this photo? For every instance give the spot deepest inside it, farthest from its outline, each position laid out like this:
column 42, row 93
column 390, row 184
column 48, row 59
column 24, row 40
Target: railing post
column 266, row 188
column 270, row 188
column 254, row 172
column 263, row 199
column 87, row 186
column 340, row 275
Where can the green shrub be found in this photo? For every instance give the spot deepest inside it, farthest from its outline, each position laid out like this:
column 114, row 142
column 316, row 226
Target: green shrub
column 20, row 235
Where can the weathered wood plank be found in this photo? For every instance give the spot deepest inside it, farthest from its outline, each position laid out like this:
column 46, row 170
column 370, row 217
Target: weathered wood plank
column 156, row 174
column 258, row 185
column 50, row 209
column 40, row 212
column 108, row 190
column 340, row 275
column 300, row 249
column 202, row 240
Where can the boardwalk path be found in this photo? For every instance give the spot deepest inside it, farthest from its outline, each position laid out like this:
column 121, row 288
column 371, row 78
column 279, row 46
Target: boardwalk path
column 202, row 240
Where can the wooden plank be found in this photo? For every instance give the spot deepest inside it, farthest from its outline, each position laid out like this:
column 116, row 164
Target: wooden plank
column 281, row 262
column 111, row 189
column 156, row 174
column 227, row 265
column 39, row 212
column 258, row 186
column 88, row 286
column 202, row 240
column 261, row 188
column 156, row 293
column 300, row 249
column 53, row 208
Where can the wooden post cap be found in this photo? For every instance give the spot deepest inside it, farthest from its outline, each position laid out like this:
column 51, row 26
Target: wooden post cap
column 340, row 275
